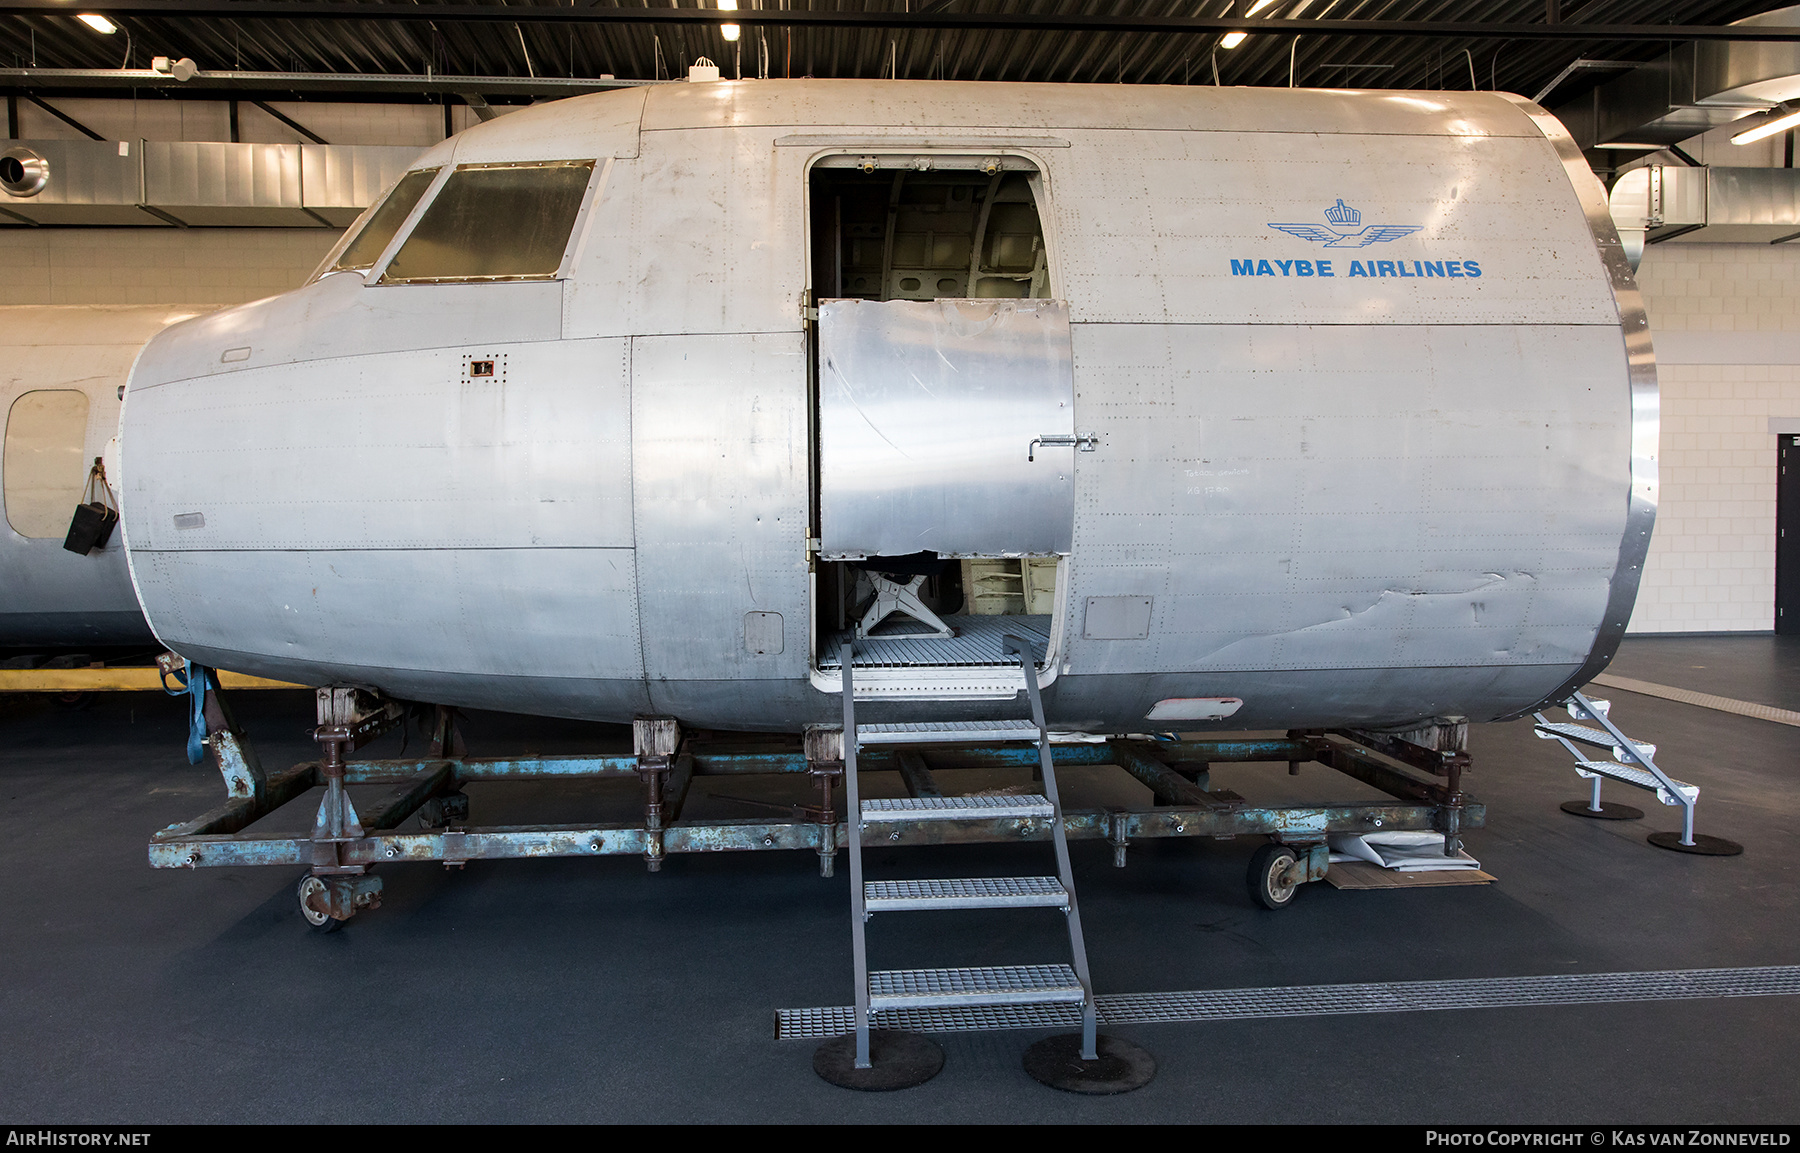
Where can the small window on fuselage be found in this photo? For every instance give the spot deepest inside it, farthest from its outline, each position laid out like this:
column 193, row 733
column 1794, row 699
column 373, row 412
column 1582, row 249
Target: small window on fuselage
column 367, row 246
column 494, row 222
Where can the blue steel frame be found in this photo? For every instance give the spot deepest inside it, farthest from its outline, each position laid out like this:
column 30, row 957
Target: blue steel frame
column 1423, row 799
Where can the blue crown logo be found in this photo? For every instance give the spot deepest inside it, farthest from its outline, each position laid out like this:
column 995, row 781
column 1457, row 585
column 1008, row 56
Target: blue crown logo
column 1346, row 229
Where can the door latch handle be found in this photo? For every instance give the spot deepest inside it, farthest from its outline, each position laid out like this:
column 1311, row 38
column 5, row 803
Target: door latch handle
column 1085, row 442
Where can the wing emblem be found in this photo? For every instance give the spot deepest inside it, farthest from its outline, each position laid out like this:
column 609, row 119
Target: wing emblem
column 1338, row 233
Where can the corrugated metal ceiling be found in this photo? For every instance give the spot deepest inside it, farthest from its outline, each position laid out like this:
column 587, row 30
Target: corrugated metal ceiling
column 348, row 44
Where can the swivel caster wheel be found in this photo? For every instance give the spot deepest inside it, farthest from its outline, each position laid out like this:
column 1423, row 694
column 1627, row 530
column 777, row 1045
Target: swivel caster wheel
column 315, row 905
column 1269, row 883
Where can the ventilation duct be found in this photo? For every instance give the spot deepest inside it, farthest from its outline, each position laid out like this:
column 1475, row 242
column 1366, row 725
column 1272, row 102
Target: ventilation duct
column 122, row 182
column 73, row 182
column 1659, row 203
column 1689, row 90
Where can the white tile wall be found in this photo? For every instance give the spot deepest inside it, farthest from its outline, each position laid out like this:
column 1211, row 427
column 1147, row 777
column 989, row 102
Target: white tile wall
column 156, row 265
column 1712, row 557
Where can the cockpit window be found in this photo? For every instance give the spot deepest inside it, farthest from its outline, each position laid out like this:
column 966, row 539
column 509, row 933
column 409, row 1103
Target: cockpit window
column 368, row 244
column 495, row 222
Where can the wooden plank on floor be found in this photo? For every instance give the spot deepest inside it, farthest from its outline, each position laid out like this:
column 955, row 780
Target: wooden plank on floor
column 1363, row 875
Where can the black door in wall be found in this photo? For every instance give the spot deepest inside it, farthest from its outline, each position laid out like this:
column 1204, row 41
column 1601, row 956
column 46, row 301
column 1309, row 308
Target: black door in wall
column 1787, row 537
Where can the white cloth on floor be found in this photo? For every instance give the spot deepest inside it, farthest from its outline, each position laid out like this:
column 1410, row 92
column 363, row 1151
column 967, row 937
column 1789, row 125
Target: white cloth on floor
column 1400, row 851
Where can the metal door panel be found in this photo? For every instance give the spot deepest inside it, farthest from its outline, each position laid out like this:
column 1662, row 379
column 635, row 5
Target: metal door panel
column 928, row 414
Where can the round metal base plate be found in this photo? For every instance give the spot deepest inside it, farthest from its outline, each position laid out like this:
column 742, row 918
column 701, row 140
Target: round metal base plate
column 1607, row 812
column 1119, row 1067
column 899, row 1061
column 1703, row 845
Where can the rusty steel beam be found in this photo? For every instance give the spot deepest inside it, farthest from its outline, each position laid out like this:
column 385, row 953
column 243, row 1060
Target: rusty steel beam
column 1358, row 762
column 241, row 812
column 797, row 18
column 406, row 797
column 916, row 775
column 1168, row 787
column 173, row 848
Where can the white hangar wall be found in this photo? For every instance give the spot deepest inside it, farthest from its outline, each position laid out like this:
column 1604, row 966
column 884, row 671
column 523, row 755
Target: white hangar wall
column 1726, row 323
column 201, row 266
column 1725, row 319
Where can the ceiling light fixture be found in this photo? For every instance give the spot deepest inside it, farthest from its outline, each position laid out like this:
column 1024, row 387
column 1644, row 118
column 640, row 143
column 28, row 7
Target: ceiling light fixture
column 1233, row 39
column 729, row 31
column 1767, row 128
column 98, row 23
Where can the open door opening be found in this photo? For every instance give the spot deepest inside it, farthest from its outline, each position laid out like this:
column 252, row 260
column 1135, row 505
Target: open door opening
column 945, row 418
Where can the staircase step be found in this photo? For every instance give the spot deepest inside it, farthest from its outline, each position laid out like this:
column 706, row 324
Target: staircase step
column 1596, row 738
column 940, row 732
column 1000, row 985
column 954, row 808
column 1641, row 778
column 965, row 893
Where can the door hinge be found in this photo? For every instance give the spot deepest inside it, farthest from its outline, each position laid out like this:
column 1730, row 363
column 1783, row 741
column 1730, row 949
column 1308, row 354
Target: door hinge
column 807, row 312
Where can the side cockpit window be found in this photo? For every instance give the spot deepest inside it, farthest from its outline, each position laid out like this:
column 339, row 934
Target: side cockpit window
column 495, row 222
column 367, row 245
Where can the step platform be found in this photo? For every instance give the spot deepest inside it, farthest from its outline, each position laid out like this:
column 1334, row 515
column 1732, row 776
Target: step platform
column 997, row 985
column 965, row 893
column 1594, row 738
column 946, row 732
column 954, row 808
column 1639, row 778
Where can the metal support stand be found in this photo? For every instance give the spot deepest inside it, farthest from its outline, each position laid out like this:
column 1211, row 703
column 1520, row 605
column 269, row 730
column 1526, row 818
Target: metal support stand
column 336, row 888
column 654, row 741
column 893, row 597
column 1602, row 810
column 824, row 748
column 343, row 842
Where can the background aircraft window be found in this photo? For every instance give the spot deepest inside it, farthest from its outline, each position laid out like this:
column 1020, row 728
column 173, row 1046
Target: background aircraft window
column 495, row 222
column 385, row 221
column 45, row 467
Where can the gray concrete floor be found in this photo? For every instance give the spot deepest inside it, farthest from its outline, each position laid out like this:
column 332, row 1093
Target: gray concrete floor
column 590, row 991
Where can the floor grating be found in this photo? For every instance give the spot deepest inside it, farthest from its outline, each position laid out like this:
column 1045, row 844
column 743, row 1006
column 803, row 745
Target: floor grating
column 1316, row 1001
column 979, row 641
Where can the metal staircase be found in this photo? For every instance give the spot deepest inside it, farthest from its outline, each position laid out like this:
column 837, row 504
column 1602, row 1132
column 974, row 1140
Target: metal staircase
column 939, row 988
column 1633, row 764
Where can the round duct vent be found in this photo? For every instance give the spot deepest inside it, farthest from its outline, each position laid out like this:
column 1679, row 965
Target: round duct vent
column 23, row 172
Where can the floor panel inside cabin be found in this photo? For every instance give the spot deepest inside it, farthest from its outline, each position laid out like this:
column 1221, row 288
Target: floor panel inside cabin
column 571, row 990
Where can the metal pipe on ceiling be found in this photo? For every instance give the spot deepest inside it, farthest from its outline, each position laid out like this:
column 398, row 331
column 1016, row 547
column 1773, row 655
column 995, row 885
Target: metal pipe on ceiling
column 939, row 20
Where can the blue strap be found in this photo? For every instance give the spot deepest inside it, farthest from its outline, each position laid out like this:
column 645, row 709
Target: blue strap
column 195, row 681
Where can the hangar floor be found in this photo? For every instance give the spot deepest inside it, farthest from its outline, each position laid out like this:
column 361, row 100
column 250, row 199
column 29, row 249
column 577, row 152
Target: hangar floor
column 591, row 991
